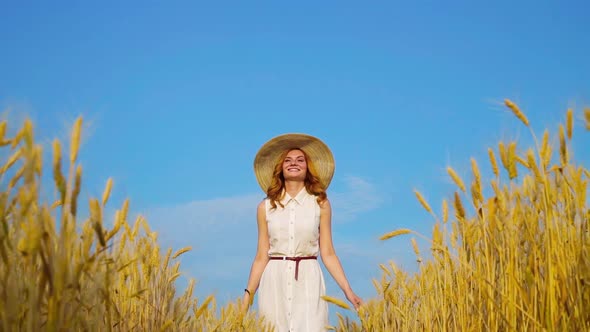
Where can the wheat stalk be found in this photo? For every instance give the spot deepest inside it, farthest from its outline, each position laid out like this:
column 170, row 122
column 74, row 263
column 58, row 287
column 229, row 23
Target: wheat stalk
column 519, row 114
column 422, row 201
column 570, row 123
column 458, row 181
column 394, row 234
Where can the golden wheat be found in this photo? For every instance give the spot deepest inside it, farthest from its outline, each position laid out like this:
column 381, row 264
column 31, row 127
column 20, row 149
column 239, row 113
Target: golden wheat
column 563, row 153
column 422, row 201
column 107, row 191
column 519, row 263
column 516, row 110
column 458, row 181
column 181, row 251
column 61, row 273
column 75, row 144
column 395, row 233
column 336, row 301
column 445, row 210
column 570, row 123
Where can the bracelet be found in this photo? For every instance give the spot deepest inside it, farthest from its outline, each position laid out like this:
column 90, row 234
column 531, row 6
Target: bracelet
column 247, row 291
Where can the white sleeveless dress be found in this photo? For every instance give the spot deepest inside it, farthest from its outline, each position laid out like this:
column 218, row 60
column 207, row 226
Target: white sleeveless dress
column 293, row 305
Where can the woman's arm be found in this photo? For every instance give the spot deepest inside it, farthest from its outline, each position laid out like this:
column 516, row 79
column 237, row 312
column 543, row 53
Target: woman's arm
column 328, row 253
column 261, row 257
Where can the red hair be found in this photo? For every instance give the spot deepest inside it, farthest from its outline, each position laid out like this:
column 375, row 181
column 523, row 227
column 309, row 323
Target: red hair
column 312, row 183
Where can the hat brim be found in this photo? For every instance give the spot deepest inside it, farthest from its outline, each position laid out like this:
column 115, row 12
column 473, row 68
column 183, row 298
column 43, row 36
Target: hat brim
column 317, row 151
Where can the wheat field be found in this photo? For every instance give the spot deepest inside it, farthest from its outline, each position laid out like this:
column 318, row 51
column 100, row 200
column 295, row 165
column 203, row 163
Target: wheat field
column 517, row 259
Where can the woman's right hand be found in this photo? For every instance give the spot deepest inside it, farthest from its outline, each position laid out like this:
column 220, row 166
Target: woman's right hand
column 245, row 302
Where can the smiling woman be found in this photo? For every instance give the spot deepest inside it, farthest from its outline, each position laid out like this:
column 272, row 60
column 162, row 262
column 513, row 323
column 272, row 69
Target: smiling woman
column 294, row 167
column 294, row 228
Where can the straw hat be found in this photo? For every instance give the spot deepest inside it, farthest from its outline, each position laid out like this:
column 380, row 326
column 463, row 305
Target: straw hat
column 316, row 150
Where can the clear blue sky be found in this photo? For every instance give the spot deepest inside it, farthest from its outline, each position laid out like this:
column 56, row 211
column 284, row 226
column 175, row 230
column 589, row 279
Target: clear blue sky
column 178, row 96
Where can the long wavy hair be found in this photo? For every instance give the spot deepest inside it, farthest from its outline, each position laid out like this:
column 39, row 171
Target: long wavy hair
column 312, row 183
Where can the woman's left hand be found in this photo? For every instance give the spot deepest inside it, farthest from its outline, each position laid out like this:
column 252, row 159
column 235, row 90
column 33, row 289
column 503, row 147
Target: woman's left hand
column 354, row 299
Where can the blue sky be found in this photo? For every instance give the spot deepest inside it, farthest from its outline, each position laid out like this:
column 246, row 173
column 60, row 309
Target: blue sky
column 178, row 97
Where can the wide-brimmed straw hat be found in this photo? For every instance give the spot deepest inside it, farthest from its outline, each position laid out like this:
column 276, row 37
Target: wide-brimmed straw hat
column 317, row 151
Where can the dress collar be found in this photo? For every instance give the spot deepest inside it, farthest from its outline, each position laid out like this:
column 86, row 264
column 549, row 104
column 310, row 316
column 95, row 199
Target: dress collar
column 299, row 198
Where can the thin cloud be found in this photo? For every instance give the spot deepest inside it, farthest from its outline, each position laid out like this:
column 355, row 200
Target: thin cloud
column 204, row 222
column 360, row 196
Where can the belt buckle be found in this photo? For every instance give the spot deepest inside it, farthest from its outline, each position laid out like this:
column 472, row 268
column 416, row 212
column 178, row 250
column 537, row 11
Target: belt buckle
column 284, row 258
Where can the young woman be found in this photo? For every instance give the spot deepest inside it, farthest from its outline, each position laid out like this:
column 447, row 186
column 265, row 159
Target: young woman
column 294, row 227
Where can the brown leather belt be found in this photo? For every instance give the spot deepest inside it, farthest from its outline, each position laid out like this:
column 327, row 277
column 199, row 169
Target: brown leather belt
column 295, row 259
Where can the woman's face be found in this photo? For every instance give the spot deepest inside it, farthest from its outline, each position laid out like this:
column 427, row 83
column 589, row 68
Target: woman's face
column 295, row 166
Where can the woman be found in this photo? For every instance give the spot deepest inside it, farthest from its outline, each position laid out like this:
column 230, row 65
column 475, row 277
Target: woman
column 294, row 227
